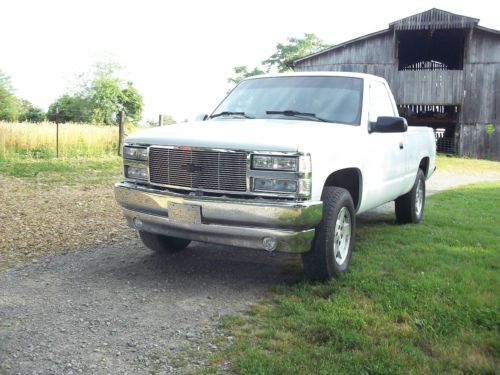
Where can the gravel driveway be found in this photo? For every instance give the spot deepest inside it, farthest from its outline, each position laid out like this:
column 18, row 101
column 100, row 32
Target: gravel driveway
column 121, row 309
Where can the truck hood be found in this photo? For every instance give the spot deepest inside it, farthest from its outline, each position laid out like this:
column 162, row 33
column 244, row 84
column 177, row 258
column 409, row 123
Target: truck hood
column 242, row 134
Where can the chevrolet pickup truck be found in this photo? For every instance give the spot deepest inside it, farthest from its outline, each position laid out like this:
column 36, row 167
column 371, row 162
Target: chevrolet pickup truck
column 284, row 163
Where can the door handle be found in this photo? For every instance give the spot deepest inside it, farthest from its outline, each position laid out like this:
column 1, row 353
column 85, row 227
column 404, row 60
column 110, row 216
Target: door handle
column 401, row 146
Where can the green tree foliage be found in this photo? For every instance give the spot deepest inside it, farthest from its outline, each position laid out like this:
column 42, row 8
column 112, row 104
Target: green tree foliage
column 9, row 104
column 282, row 58
column 293, row 49
column 131, row 102
column 30, row 113
column 109, row 95
column 72, row 108
column 102, row 94
column 242, row 72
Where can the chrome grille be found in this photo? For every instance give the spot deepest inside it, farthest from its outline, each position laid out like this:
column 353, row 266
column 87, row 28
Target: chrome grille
column 199, row 169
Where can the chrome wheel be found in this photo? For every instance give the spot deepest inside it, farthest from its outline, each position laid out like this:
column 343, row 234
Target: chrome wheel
column 419, row 198
column 342, row 237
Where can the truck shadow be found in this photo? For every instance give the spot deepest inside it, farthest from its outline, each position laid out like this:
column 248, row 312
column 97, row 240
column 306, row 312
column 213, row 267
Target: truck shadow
column 204, row 264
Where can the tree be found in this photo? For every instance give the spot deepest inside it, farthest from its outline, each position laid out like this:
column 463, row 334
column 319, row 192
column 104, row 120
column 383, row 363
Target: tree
column 242, row 72
column 285, row 54
column 293, row 49
column 99, row 97
column 72, row 108
column 132, row 103
column 30, row 113
column 108, row 95
column 9, row 104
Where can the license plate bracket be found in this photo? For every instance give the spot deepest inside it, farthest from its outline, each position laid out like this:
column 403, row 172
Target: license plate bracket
column 184, row 213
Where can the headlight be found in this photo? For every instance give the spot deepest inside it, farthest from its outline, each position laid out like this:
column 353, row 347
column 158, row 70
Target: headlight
column 137, row 173
column 269, row 184
column 135, row 153
column 280, row 163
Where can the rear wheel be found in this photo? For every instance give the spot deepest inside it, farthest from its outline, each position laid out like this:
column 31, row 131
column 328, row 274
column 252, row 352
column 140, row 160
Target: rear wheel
column 163, row 244
column 331, row 251
column 410, row 207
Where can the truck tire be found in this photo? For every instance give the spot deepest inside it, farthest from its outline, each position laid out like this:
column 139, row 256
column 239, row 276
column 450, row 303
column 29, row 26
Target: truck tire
column 162, row 244
column 333, row 243
column 410, row 207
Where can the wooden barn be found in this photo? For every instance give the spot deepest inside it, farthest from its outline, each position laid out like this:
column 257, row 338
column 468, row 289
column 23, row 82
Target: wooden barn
column 444, row 71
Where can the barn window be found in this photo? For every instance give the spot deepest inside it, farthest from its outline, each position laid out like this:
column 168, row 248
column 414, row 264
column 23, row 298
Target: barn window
column 431, row 49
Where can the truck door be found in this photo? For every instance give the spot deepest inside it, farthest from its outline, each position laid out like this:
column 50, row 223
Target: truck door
column 387, row 157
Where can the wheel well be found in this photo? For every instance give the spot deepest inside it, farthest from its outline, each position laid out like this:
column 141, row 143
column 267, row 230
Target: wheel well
column 424, row 165
column 349, row 179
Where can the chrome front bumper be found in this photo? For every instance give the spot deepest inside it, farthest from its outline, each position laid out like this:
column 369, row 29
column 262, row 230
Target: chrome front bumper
column 227, row 221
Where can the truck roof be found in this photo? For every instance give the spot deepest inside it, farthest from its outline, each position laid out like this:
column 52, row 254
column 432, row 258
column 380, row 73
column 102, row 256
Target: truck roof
column 365, row 76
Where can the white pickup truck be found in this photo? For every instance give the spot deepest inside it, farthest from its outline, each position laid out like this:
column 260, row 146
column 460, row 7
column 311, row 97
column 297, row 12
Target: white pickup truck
column 284, row 163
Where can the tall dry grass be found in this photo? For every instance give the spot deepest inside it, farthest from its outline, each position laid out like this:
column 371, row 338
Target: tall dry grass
column 22, row 140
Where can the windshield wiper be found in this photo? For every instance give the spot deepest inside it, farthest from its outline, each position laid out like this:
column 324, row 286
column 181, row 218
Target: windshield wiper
column 229, row 113
column 293, row 113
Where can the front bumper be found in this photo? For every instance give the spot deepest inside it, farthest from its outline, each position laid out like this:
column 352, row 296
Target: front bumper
column 227, row 221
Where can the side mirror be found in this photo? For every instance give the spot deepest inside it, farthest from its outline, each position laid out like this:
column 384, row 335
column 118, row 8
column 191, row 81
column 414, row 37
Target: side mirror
column 201, row 117
column 388, row 124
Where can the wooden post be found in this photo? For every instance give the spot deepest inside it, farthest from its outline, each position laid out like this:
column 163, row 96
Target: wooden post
column 57, row 132
column 121, row 125
column 160, row 120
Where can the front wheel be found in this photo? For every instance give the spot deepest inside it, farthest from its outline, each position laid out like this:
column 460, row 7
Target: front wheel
column 410, row 206
column 163, row 244
column 331, row 251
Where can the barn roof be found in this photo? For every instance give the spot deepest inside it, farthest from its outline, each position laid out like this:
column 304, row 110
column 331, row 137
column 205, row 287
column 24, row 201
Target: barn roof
column 434, row 19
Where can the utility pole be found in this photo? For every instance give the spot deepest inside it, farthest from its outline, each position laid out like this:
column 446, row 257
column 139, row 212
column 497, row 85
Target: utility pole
column 160, row 120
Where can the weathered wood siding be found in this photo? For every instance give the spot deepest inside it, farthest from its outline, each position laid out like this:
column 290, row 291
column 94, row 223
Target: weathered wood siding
column 478, row 141
column 481, row 106
column 373, row 55
column 483, row 47
column 482, row 79
column 439, row 87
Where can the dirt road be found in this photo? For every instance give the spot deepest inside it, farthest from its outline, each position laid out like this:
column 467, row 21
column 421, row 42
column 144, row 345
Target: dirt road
column 120, row 309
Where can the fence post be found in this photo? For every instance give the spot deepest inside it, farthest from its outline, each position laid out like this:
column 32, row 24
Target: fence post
column 57, row 131
column 160, row 120
column 121, row 125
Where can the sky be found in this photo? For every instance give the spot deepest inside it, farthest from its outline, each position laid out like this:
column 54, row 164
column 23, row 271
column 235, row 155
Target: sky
column 179, row 54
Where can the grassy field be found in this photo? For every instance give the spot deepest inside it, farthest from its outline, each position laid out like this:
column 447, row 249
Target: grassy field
column 418, row 299
column 38, row 141
column 104, row 169
column 87, row 153
column 462, row 165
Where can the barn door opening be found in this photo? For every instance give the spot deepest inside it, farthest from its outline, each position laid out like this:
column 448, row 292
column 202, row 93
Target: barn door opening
column 431, row 49
column 443, row 119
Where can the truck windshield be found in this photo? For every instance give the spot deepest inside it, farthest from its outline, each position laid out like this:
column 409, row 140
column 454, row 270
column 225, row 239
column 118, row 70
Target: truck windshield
column 323, row 98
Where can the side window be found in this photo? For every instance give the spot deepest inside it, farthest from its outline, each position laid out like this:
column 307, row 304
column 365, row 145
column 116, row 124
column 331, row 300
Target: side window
column 380, row 102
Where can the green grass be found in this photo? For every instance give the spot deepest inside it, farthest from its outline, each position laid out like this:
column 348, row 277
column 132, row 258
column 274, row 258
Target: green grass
column 418, row 299
column 463, row 165
column 68, row 171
